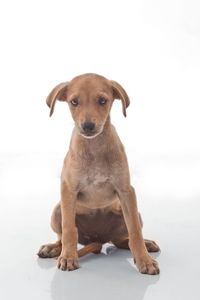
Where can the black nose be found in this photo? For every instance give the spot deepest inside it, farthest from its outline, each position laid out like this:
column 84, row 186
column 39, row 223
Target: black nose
column 88, row 126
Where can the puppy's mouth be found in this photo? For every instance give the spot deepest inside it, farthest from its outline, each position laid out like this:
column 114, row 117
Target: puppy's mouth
column 89, row 135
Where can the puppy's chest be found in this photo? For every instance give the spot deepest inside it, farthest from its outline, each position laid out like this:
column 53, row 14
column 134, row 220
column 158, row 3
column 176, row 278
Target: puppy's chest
column 95, row 187
column 95, row 182
column 94, row 175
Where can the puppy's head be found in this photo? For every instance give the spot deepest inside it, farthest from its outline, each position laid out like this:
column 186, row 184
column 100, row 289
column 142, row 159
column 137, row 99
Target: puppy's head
column 90, row 99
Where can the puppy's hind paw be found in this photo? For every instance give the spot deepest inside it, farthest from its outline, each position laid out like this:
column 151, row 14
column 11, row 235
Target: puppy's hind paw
column 151, row 246
column 50, row 250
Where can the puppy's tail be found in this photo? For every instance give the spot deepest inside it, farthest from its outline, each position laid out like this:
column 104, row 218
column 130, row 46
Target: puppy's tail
column 91, row 248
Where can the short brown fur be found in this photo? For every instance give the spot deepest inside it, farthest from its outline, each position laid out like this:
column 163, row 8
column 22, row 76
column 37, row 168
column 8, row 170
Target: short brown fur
column 98, row 203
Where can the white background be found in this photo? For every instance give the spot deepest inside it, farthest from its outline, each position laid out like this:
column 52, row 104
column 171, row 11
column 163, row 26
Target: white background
column 152, row 48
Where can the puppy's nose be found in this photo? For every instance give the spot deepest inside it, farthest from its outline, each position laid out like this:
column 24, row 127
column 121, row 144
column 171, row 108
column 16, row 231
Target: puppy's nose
column 88, row 126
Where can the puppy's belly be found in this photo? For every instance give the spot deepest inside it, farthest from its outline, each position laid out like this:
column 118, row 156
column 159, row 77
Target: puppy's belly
column 97, row 195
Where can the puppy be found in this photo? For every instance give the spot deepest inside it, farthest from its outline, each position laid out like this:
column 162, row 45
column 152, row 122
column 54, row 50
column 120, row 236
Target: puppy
column 98, row 203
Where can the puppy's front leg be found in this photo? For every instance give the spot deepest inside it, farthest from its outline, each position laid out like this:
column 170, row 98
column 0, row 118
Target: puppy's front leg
column 68, row 260
column 145, row 263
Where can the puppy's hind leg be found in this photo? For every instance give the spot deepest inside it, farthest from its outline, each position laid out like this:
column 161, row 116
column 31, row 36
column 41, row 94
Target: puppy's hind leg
column 53, row 249
column 50, row 250
column 122, row 242
column 150, row 245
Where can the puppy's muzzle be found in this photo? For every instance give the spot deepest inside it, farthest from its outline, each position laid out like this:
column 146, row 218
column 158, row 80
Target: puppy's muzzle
column 88, row 128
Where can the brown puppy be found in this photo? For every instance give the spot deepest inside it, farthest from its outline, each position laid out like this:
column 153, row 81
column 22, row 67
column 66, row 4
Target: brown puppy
column 98, row 203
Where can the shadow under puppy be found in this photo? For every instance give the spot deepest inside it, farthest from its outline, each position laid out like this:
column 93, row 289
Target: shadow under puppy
column 98, row 203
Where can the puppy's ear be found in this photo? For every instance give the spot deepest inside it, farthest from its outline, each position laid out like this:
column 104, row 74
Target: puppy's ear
column 120, row 93
column 58, row 93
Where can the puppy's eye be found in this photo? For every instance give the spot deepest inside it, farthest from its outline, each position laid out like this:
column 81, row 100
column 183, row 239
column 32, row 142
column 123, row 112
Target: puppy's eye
column 102, row 100
column 74, row 101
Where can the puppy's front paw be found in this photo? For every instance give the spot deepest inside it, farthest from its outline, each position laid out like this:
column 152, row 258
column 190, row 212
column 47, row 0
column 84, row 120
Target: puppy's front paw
column 69, row 263
column 147, row 265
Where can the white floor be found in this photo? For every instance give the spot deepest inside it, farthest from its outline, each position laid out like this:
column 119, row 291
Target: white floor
column 168, row 192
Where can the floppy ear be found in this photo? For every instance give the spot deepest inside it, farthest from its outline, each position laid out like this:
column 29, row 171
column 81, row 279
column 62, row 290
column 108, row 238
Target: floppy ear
column 58, row 93
column 120, row 93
